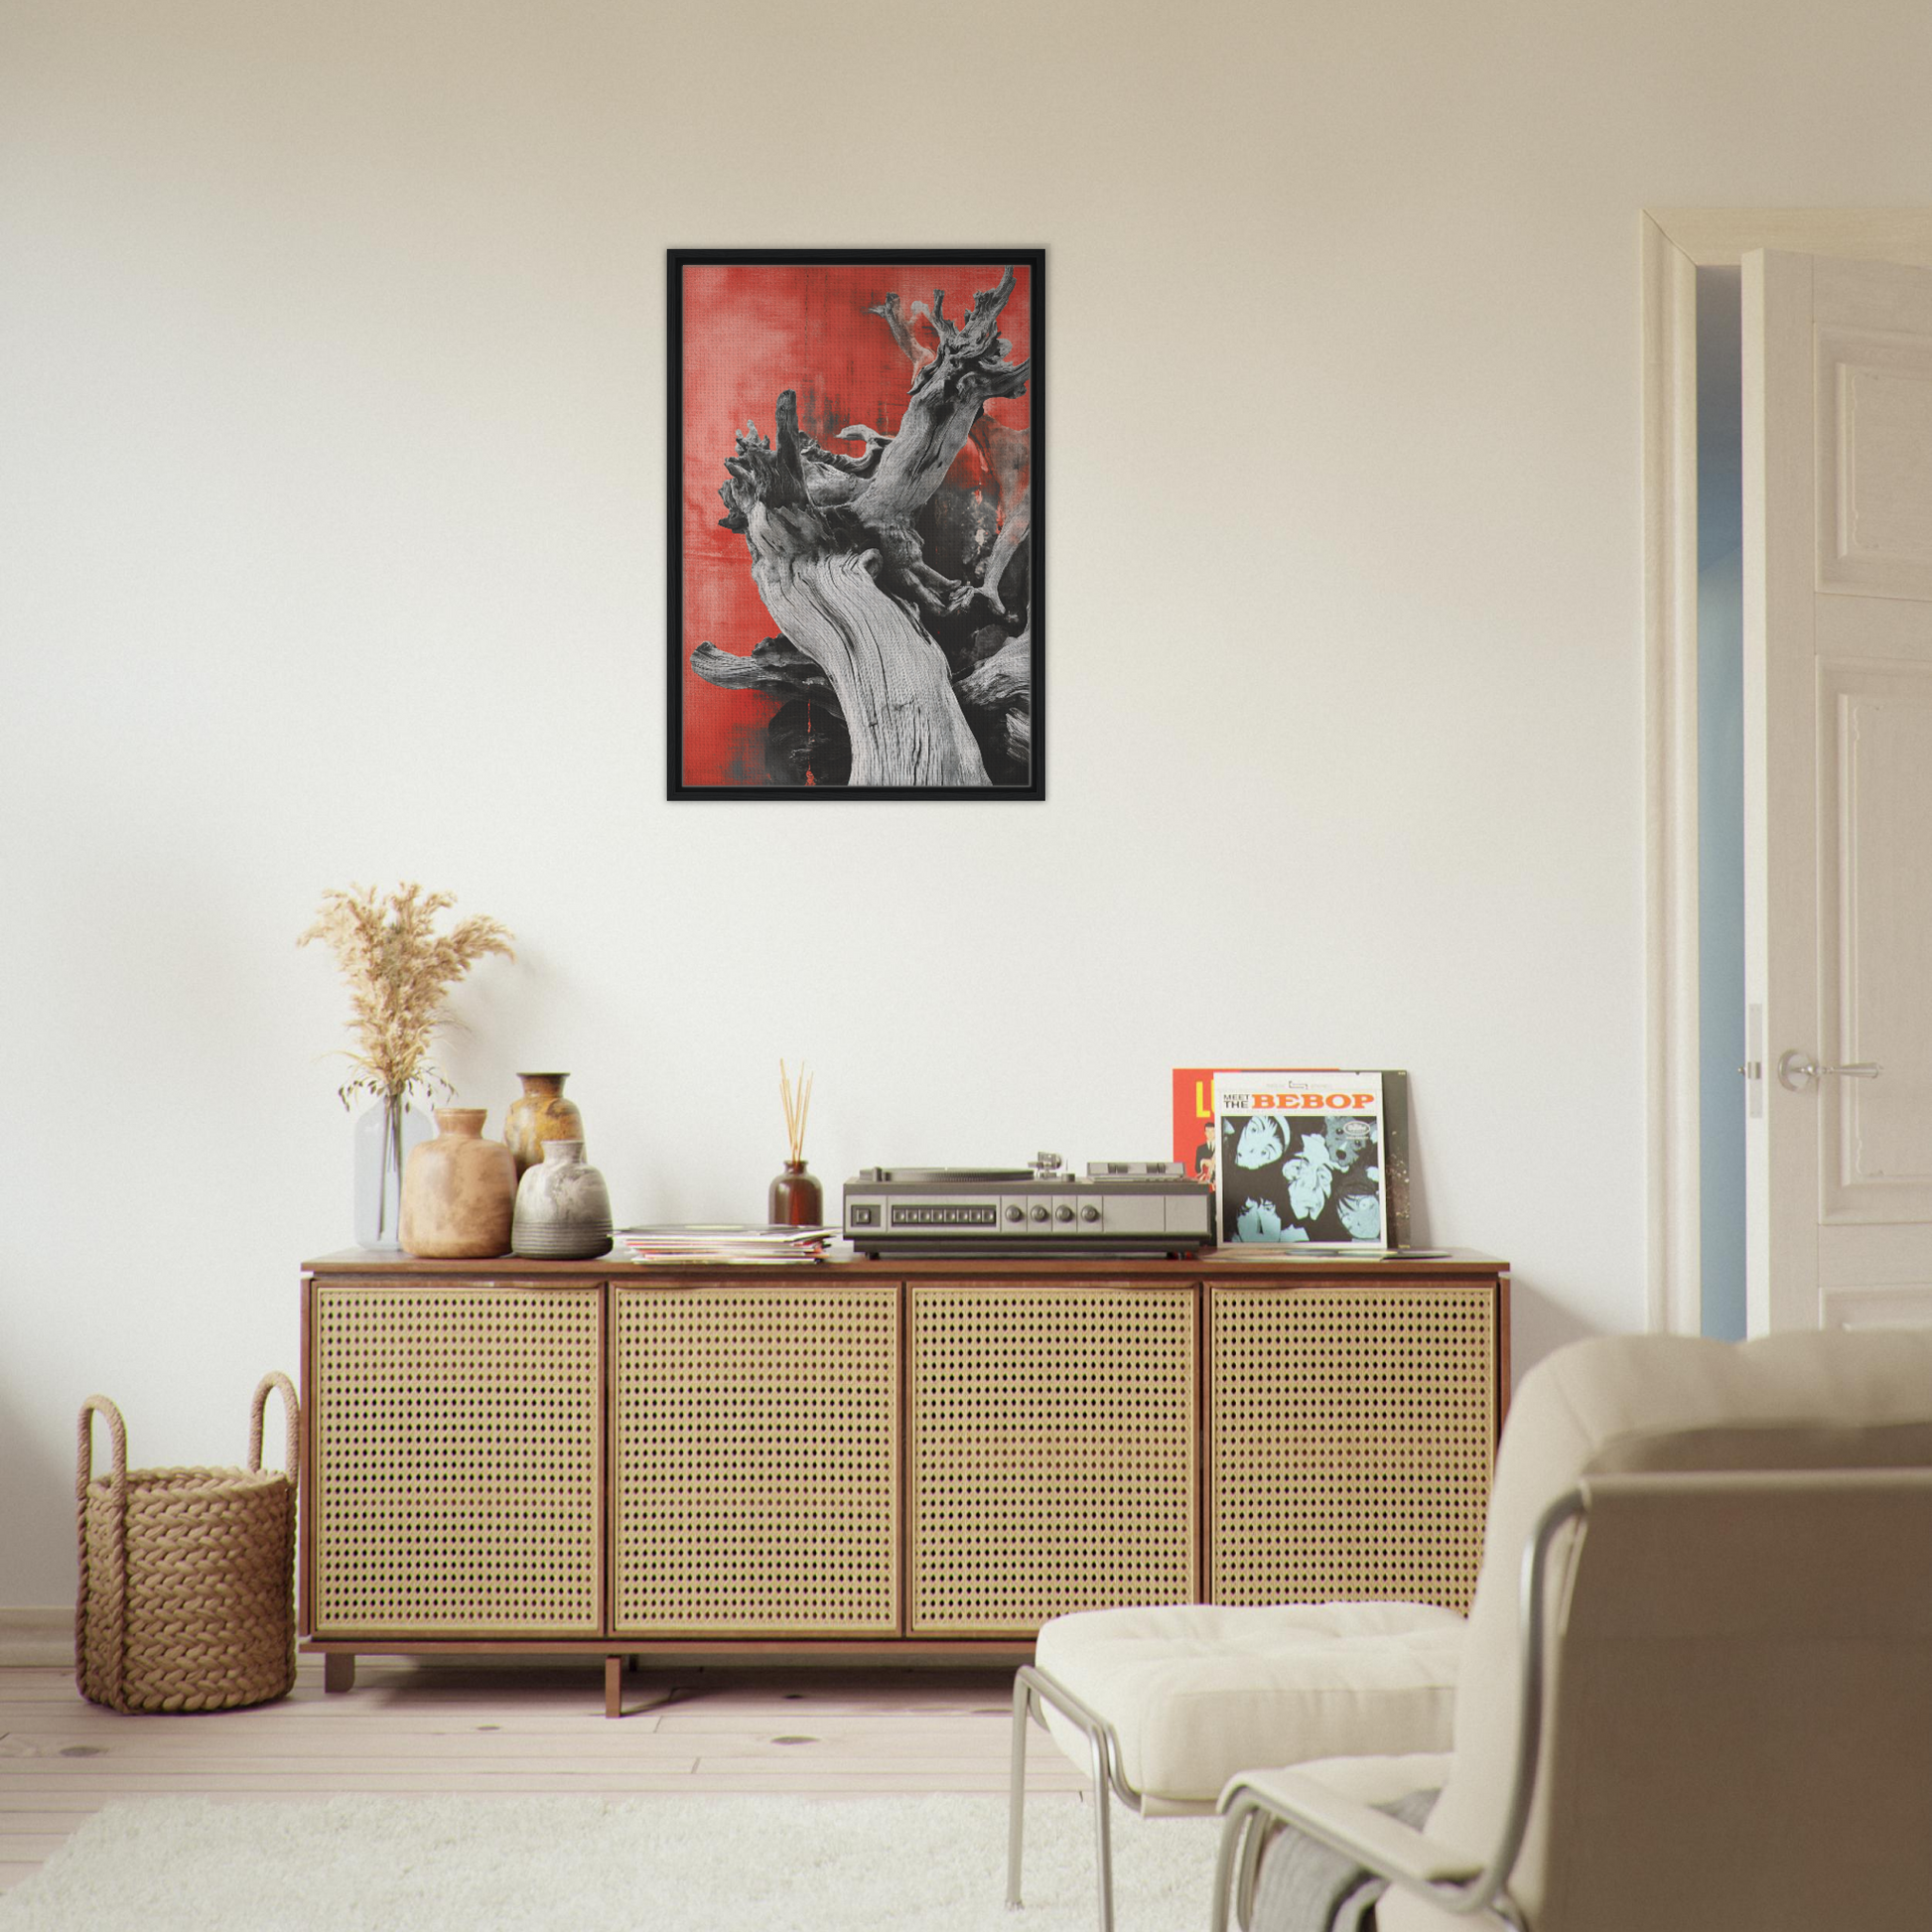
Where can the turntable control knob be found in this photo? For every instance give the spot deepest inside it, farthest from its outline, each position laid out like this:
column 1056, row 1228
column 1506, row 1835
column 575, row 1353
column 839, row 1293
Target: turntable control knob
column 1089, row 1212
column 1040, row 1214
column 1016, row 1213
column 1063, row 1212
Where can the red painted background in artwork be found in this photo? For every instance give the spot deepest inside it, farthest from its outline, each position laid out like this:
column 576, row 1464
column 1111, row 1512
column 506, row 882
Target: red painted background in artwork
column 750, row 332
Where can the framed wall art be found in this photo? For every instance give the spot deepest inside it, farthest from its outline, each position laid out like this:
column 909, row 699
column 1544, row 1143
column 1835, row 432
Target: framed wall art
column 856, row 523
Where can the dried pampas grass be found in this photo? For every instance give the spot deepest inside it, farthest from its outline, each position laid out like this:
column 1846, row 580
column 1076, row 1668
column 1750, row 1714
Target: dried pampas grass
column 398, row 969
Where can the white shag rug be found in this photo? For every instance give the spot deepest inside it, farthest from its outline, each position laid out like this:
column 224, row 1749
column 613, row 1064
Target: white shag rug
column 753, row 1863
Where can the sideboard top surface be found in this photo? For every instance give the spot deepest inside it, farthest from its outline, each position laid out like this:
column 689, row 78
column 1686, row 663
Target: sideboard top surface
column 1211, row 1265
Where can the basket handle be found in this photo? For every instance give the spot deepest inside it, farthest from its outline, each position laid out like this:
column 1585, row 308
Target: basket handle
column 291, row 1410
column 117, row 1433
column 112, row 1612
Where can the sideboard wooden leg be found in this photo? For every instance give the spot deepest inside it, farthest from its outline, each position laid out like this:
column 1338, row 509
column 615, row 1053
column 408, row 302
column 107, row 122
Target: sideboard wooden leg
column 613, row 1687
column 338, row 1670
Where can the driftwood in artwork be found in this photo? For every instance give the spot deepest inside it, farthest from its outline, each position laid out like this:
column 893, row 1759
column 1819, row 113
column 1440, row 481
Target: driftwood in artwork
column 897, row 639
column 775, row 667
column 1009, row 455
column 999, row 690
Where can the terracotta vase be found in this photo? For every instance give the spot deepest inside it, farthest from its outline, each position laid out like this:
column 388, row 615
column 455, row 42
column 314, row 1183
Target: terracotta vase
column 540, row 1114
column 459, row 1190
column 563, row 1208
column 795, row 1200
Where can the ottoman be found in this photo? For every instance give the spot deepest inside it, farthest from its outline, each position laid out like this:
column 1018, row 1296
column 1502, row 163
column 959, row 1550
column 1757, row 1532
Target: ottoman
column 1163, row 1705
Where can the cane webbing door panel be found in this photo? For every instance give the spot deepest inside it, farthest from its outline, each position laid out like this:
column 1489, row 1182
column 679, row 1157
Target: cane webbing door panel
column 457, row 1459
column 1053, row 1463
column 755, row 1452
column 1351, row 1435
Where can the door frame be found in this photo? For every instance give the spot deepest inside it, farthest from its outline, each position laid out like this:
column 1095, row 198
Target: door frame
column 1676, row 242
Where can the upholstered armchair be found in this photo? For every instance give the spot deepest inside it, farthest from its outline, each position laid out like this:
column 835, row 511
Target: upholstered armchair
column 1695, row 1689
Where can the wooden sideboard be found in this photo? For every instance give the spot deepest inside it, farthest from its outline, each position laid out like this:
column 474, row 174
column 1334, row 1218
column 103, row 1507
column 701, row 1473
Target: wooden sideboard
column 879, row 1460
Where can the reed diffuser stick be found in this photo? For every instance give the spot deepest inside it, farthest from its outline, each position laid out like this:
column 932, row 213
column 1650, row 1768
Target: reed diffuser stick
column 797, row 1105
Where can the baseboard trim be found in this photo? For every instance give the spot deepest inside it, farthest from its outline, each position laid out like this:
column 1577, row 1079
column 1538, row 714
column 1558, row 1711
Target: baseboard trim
column 39, row 1636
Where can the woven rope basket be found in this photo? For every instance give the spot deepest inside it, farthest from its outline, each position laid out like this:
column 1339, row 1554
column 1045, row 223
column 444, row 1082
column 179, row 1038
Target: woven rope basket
column 187, row 1576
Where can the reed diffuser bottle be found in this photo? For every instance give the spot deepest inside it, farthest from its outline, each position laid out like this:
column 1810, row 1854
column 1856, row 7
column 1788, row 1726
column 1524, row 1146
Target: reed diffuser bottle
column 795, row 1200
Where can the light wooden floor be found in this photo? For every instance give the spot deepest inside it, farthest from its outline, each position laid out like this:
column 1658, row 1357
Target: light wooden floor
column 509, row 1729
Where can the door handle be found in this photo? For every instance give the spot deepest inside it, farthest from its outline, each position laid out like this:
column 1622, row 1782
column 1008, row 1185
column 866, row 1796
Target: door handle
column 1797, row 1070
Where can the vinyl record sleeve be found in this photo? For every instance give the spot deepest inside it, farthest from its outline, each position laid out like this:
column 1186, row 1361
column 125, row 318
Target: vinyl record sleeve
column 1196, row 1138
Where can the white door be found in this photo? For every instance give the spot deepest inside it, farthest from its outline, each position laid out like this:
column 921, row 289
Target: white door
column 1838, row 780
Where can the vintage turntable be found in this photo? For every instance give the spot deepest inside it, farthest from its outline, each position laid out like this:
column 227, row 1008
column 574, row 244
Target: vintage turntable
column 1136, row 1208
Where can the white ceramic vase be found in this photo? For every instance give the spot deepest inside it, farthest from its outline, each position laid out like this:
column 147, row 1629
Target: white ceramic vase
column 563, row 1208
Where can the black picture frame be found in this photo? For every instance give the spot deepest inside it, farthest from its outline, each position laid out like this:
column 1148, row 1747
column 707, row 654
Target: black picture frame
column 721, row 343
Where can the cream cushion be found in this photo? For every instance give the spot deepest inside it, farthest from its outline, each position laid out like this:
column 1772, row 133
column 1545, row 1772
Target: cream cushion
column 1198, row 1692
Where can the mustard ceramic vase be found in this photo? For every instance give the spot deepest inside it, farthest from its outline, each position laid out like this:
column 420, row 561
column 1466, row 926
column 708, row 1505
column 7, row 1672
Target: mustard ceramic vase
column 459, row 1190
column 540, row 1114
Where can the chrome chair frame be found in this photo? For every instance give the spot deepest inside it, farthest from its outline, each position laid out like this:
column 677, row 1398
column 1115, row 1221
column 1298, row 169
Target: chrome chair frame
column 1032, row 1689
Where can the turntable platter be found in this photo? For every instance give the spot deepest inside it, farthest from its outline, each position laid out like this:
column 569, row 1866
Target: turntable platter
column 937, row 1175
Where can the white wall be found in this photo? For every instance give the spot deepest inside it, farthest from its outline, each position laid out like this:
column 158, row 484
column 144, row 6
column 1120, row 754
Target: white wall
column 332, row 412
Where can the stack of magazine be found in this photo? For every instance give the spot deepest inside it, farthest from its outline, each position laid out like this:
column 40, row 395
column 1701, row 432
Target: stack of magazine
column 728, row 1241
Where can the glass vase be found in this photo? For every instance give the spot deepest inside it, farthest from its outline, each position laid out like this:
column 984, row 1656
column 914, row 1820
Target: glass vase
column 385, row 1135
